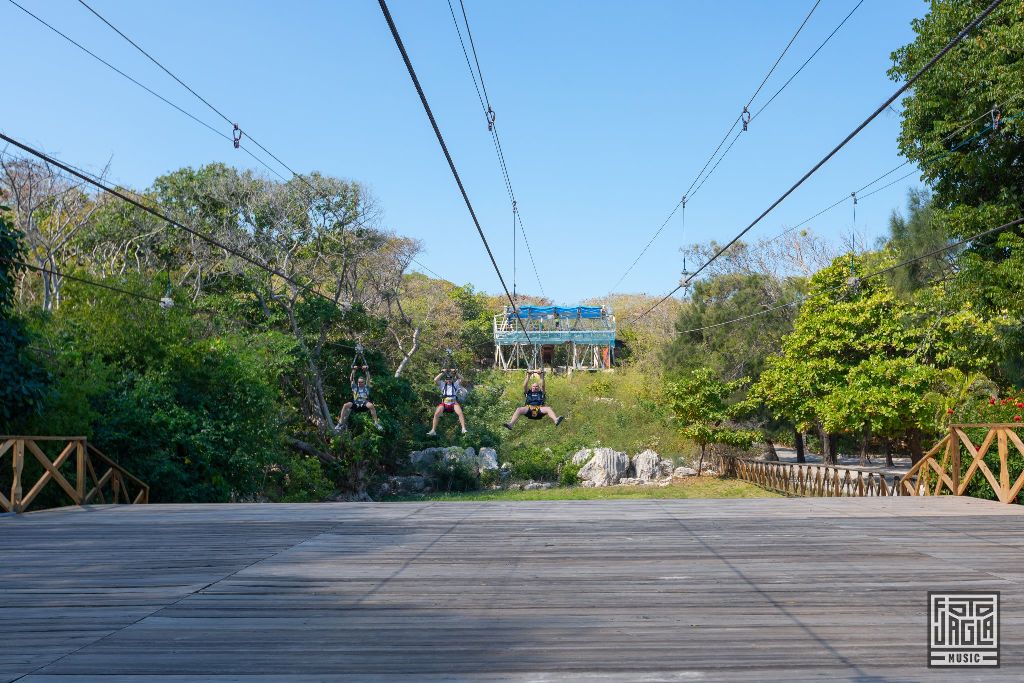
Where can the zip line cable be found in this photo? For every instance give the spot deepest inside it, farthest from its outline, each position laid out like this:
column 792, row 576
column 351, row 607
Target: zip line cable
column 157, row 214
column 238, row 133
column 892, row 98
column 149, row 90
column 881, row 271
column 185, row 85
column 492, row 127
column 930, row 160
column 448, row 157
column 146, row 297
column 807, row 61
column 700, row 178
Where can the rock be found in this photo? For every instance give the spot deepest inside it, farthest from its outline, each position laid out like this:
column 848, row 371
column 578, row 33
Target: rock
column 487, row 459
column 411, row 484
column 631, row 481
column 535, row 486
column 647, row 465
column 582, row 456
column 605, row 468
column 426, row 457
column 515, row 487
column 587, row 484
column 666, row 467
column 684, row 472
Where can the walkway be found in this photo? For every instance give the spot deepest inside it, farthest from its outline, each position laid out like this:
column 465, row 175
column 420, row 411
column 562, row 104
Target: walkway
column 638, row 590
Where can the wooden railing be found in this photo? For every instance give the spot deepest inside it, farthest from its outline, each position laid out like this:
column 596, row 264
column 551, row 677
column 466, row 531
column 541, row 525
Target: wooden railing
column 110, row 482
column 809, row 480
column 941, row 471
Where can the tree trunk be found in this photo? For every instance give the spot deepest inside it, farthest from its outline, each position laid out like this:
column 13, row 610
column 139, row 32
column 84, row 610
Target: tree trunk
column 769, row 451
column 412, row 350
column 798, row 440
column 914, row 441
column 833, row 449
column 864, row 437
column 887, row 451
column 828, row 447
column 700, row 463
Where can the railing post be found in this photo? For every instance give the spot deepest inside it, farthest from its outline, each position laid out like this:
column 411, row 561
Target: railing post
column 80, row 470
column 18, row 464
column 953, row 448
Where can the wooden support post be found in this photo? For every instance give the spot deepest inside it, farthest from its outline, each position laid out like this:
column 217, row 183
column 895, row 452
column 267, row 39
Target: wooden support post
column 80, row 470
column 953, row 456
column 19, row 464
column 1004, row 468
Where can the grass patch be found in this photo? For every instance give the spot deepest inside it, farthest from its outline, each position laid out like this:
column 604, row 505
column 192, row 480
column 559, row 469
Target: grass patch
column 623, row 410
column 691, row 487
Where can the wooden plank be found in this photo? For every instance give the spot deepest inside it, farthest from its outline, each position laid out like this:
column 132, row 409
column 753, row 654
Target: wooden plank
column 556, row 591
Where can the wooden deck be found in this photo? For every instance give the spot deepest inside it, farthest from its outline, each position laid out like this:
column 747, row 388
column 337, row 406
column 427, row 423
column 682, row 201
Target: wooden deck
column 770, row 589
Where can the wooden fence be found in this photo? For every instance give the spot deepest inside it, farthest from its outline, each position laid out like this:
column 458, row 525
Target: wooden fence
column 941, row 471
column 810, row 480
column 110, row 482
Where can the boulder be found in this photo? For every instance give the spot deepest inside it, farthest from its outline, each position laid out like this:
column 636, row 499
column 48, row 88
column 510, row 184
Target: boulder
column 684, row 472
column 666, row 467
column 587, row 484
column 537, row 486
column 647, row 465
column 410, row 484
column 631, row 481
column 487, row 459
column 426, row 457
column 605, row 467
column 582, row 456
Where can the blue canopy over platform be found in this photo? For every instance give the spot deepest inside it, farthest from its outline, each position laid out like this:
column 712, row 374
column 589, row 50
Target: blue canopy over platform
column 588, row 331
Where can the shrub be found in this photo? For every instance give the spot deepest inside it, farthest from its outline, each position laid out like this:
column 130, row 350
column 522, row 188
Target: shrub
column 569, row 474
column 450, row 474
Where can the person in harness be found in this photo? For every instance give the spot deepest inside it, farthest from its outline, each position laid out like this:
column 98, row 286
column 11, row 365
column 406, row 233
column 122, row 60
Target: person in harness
column 449, row 383
column 360, row 402
column 535, row 399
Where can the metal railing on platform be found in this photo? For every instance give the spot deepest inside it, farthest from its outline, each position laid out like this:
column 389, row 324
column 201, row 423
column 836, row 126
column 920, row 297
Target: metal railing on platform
column 109, row 481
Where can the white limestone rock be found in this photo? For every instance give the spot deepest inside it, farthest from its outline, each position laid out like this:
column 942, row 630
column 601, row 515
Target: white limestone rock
column 487, row 459
column 582, row 456
column 605, row 468
column 647, row 465
column 684, row 472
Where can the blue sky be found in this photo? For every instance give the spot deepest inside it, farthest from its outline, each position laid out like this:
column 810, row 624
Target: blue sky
column 606, row 110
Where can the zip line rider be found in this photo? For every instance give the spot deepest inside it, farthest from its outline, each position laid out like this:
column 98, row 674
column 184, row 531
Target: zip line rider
column 360, row 402
column 449, row 383
column 535, row 398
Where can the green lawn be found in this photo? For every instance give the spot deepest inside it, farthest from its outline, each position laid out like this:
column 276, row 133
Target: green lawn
column 695, row 487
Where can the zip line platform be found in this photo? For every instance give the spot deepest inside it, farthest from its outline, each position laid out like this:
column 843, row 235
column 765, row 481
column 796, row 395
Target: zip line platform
column 575, row 337
column 624, row 590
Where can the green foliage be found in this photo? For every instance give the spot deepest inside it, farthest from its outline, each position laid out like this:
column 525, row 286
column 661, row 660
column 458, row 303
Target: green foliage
column 978, row 186
column 451, row 474
column 569, row 475
column 882, row 396
column 302, row 480
column 537, row 464
column 23, row 381
column 700, row 402
column 732, row 351
column 194, row 416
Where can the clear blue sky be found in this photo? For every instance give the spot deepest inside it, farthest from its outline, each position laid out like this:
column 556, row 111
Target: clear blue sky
column 606, row 110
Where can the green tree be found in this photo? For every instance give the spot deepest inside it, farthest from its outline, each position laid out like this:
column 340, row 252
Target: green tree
column 979, row 185
column 701, row 405
column 22, row 381
column 841, row 324
column 882, row 396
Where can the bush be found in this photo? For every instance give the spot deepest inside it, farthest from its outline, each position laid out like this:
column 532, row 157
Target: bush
column 537, row 464
column 304, row 482
column 569, row 475
column 450, row 474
